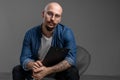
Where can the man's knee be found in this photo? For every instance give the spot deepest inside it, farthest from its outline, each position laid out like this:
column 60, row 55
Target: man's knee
column 18, row 73
column 69, row 74
column 17, row 69
column 73, row 71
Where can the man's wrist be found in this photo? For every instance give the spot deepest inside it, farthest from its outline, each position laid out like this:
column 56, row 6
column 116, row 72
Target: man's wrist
column 30, row 65
column 49, row 70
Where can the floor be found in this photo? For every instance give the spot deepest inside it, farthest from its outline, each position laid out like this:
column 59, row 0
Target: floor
column 91, row 77
column 8, row 76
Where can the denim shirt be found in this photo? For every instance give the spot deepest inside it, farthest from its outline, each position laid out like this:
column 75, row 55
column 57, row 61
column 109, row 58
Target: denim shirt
column 63, row 37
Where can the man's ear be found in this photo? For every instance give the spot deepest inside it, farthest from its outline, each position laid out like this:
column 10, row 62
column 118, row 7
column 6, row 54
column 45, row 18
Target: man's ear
column 42, row 14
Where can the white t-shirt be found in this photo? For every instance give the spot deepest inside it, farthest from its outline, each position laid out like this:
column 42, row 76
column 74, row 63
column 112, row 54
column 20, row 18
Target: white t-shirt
column 44, row 47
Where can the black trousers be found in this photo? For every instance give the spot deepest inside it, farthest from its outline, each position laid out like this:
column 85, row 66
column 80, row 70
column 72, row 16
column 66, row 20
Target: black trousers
column 18, row 73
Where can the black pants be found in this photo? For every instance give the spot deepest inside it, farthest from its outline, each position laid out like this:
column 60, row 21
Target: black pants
column 70, row 74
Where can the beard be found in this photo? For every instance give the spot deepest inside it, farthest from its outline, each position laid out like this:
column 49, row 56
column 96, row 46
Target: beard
column 49, row 28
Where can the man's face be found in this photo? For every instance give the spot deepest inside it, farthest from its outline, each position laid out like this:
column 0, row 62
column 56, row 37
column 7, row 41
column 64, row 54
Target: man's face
column 51, row 17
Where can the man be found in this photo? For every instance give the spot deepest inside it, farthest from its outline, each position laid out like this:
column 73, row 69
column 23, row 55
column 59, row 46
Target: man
column 37, row 42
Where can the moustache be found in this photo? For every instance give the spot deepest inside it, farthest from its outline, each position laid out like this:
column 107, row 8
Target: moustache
column 49, row 28
column 51, row 22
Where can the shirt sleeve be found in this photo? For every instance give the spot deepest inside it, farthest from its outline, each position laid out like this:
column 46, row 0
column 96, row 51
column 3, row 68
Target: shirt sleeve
column 26, row 53
column 69, row 42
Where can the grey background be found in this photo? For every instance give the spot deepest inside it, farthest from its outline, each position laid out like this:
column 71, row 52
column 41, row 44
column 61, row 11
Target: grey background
column 95, row 23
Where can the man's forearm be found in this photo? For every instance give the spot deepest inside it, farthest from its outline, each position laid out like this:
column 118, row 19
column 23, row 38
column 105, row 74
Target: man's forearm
column 60, row 67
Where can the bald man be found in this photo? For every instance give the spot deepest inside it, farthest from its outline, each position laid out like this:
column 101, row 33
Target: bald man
column 37, row 42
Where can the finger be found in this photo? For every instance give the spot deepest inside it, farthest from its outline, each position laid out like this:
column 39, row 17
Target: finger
column 36, row 65
column 39, row 63
column 35, row 76
column 36, row 70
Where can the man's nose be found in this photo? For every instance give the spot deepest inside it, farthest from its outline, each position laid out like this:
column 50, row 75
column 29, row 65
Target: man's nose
column 53, row 17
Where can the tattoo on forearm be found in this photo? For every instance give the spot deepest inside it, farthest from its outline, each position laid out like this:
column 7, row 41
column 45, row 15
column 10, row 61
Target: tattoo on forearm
column 61, row 66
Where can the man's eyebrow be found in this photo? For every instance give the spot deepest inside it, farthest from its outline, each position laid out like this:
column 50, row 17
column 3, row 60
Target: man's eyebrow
column 53, row 13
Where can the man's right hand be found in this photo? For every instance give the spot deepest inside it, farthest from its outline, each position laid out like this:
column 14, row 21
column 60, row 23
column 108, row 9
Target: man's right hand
column 34, row 66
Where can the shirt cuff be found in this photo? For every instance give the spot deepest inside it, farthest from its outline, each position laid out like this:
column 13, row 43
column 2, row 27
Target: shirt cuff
column 70, row 61
column 25, row 64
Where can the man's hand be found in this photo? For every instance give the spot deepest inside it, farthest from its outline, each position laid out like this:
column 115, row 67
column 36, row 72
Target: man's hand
column 42, row 72
column 37, row 66
column 34, row 66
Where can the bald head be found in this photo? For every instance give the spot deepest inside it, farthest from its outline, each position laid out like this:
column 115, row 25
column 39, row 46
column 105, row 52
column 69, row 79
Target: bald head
column 53, row 5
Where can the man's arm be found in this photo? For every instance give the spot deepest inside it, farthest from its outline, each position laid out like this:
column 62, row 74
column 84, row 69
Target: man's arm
column 27, row 59
column 43, row 71
column 59, row 67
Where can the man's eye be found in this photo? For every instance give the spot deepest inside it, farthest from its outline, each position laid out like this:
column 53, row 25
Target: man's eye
column 57, row 16
column 50, row 14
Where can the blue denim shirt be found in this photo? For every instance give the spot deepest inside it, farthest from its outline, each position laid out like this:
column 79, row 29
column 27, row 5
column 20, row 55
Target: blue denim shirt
column 63, row 37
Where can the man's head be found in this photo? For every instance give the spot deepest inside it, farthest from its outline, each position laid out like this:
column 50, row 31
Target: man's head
column 52, row 15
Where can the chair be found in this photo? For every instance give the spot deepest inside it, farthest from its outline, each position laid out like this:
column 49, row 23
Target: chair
column 83, row 59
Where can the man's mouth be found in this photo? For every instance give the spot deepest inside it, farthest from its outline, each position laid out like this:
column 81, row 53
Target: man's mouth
column 49, row 28
column 51, row 24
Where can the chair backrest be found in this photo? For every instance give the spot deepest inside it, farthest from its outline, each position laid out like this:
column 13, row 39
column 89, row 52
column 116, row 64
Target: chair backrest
column 83, row 59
